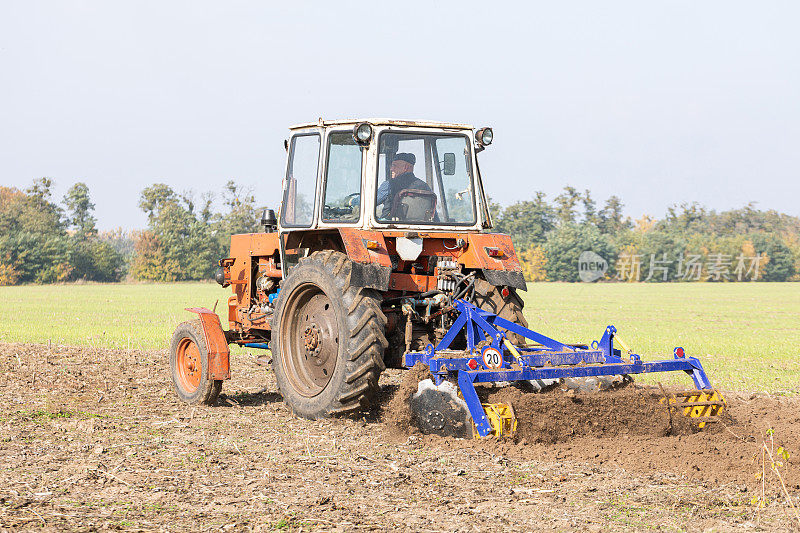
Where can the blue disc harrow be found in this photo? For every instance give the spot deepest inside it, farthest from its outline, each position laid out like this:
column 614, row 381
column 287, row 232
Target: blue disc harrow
column 490, row 356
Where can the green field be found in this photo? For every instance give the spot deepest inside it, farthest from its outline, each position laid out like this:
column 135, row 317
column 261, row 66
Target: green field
column 746, row 334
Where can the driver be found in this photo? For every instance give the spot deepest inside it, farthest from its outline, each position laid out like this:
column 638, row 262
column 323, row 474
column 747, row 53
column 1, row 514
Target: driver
column 402, row 177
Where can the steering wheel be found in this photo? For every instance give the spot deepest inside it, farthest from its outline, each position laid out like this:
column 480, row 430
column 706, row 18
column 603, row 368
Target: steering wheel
column 349, row 200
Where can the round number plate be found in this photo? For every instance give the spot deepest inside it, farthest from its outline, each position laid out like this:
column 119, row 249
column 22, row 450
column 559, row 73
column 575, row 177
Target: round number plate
column 492, row 357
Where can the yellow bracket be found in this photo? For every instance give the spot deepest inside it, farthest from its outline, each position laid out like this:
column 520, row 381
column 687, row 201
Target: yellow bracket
column 512, row 349
column 622, row 342
column 697, row 404
column 501, row 417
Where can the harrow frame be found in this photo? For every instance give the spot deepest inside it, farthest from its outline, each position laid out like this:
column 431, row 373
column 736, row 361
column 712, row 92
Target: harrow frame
column 548, row 359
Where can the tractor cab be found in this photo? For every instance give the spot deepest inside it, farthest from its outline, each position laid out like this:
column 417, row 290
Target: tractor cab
column 379, row 174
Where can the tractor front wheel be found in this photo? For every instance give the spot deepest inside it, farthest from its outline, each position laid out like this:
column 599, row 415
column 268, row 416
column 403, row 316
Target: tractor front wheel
column 328, row 338
column 188, row 363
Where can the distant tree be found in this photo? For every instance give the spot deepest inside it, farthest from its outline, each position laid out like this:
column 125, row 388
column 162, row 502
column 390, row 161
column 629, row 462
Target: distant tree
column 792, row 242
column 495, row 211
column 12, row 204
column 30, row 211
column 534, row 264
column 528, row 222
column 660, row 255
column 91, row 258
column 610, row 218
column 687, row 217
column 566, row 205
column 149, row 262
column 187, row 246
column 79, row 210
column 8, row 274
column 565, row 244
column 644, row 224
column 35, row 246
column 123, row 243
column 780, row 265
column 50, row 256
column 241, row 216
column 153, row 199
column 590, row 215
column 35, row 258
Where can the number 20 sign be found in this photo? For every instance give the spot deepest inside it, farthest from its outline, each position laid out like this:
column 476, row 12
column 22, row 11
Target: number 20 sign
column 492, row 357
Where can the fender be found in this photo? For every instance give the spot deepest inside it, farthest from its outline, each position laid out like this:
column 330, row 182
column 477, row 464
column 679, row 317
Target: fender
column 499, row 271
column 218, row 351
column 499, row 278
column 371, row 264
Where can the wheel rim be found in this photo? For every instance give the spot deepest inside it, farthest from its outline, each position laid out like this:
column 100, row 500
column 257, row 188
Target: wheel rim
column 309, row 340
column 189, row 365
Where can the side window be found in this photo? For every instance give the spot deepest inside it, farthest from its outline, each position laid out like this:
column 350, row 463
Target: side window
column 301, row 181
column 343, row 181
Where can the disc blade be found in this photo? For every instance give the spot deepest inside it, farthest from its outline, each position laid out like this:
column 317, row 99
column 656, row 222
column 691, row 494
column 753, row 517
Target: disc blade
column 440, row 411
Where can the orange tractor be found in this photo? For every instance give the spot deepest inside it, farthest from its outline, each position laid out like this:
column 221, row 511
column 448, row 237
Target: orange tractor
column 380, row 258
column 382, row 227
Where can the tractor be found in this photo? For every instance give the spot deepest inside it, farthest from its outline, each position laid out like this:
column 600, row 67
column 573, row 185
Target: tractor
column 381, row 256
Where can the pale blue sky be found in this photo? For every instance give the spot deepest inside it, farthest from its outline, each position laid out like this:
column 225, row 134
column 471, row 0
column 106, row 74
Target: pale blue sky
column 656, row 102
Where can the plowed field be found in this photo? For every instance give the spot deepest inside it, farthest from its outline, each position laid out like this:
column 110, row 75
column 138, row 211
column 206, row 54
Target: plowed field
column 95, row 439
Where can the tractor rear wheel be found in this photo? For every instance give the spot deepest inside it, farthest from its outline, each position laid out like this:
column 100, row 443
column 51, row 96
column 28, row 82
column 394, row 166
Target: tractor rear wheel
column 490, row 298
column 188, row 363
column 328, row 338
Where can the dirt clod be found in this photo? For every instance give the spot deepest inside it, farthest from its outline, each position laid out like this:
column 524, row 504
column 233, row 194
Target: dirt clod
column 560, row 416
column 398, row 415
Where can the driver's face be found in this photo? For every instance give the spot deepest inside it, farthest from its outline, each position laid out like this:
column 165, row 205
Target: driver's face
column 400, row 167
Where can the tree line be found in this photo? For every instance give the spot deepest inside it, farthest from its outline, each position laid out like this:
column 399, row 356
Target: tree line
column 46, row 241
column 570, row 238
column 690, row 243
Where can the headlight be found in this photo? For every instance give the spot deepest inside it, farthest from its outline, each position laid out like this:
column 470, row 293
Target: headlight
column 484, row 136
column 362, row 133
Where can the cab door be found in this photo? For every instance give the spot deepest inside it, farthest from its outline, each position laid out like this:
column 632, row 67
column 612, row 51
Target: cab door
column 300, row 189
column 300, row 183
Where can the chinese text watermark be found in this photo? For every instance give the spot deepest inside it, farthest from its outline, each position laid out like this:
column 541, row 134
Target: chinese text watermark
column 688, row 267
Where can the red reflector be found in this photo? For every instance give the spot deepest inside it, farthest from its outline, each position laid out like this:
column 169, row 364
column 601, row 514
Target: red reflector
column 505, row 292
column 679, row 353
column 472, row 364
column 493, row 252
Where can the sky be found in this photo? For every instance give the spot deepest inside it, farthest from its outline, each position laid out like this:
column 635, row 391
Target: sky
column 657, row 102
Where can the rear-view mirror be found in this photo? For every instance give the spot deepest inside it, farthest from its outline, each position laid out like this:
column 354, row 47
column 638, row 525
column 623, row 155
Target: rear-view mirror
column 449, row 164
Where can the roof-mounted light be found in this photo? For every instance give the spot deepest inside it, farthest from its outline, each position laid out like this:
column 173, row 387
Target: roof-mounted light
column 484, row 136
column 362, row 133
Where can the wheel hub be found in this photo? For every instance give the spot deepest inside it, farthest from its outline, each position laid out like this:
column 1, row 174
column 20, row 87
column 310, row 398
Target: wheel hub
column 188, row 365
column 311, row 339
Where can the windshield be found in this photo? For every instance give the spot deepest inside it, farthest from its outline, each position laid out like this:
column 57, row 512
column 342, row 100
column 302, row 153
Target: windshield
column 425, row 179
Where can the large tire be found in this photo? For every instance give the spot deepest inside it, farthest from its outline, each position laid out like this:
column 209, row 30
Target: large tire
column 188, row 363
column 328, row 338
column 490, row 298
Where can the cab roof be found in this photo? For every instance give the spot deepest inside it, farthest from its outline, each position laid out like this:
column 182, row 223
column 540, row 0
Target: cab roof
column 383, row 122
